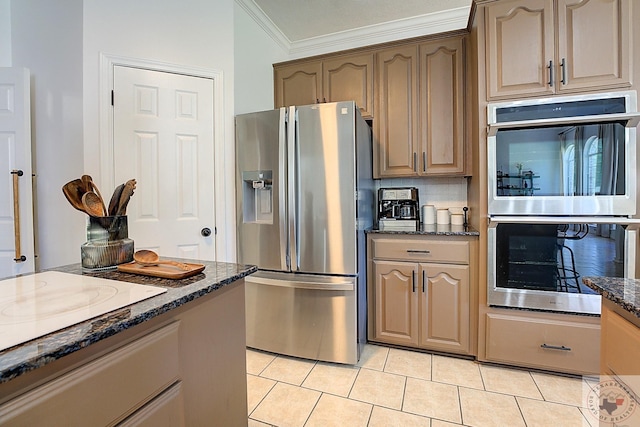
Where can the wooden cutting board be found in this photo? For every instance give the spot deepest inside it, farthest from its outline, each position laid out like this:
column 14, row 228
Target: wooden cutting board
column 163, row 270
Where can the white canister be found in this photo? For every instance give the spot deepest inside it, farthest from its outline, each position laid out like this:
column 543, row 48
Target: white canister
column 457, row 219
column 428, row 214
column 442, row 216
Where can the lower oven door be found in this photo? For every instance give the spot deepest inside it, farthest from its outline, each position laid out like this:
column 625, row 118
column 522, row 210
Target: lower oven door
column 538, row 262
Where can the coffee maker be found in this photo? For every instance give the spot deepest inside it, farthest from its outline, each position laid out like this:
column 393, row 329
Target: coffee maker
column 398, row 209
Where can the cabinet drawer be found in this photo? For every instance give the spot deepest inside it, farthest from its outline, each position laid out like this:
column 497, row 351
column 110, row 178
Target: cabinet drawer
column 539, row 343
column 166, row 410
column 71, row 400
column 453, row 252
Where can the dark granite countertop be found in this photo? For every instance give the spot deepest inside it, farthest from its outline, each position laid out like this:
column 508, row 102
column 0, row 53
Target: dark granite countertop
column 623, row 292
column 36, row 353
column 434, row 230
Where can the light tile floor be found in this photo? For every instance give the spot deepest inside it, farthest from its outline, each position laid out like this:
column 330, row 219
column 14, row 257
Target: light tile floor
column 393, row 387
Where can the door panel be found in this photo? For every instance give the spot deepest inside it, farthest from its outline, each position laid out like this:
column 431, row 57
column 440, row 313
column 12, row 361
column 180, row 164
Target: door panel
column 262, row 238
column 325, row 207
column 513, row 68
column 396, row 110
column 163, row 137
column 593, row 40
column 15, row 154
column 396, row 302
column 298, row 85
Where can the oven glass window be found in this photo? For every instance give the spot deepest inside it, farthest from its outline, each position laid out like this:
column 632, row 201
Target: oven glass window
column 555, row 257
column 583, row 160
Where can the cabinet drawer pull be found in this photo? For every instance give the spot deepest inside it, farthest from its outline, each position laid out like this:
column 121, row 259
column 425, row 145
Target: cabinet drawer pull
column 563, row 67
column 555, row 347
column 418, row 251
column 415, row 157
column 413, row 278
column 550, row 67
column 424, row 280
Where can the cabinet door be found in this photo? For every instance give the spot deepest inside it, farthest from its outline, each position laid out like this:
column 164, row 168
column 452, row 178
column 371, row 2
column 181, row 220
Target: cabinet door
column 350, row 78
column 396, row 302
column 298, row 84
column 395, row 136
column 520, row 48
column 444, row 307
column 441, row 108
column 593, row 43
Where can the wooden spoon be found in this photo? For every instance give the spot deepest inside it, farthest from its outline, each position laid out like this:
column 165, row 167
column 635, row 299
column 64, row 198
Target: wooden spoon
column 93, row 204
column 91, row 186
column 125, row 196
column 148, row 258
column 115, row 200
column 73, row 191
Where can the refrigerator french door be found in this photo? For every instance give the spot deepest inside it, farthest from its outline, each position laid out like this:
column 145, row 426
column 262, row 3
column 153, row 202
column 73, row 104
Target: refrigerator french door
column 305, row 197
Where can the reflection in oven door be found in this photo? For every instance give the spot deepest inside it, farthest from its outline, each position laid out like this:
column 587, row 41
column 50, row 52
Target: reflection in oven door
column 526, row 256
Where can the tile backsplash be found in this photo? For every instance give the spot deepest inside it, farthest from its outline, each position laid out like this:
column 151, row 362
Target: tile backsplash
column 441, row 192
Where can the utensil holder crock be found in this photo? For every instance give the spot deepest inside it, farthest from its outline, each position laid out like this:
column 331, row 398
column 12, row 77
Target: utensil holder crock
column 107, row 244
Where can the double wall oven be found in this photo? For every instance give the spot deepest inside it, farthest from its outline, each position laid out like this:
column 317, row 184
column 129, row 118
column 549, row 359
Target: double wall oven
column 562, row 183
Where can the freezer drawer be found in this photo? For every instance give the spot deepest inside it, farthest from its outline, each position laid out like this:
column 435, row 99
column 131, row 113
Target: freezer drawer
column 313, row 317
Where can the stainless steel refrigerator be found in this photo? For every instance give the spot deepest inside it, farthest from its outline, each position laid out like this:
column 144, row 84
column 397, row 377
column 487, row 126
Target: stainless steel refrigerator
column 304, row 198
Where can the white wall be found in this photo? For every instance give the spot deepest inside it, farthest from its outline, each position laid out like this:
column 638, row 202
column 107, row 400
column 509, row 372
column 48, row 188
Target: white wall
column 188, row 33
column 255, row 52
column 5, row 33
column 46, row 37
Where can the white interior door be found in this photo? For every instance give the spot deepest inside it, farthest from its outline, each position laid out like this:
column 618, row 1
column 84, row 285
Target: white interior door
column 164, row 138
column 15, row 155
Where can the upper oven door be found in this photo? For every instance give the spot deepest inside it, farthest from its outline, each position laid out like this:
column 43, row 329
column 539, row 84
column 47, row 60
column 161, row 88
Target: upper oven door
column 567, row 156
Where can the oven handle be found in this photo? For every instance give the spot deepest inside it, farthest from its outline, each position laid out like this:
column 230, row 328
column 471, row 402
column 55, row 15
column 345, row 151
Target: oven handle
column 631, row 120
column 635, row 222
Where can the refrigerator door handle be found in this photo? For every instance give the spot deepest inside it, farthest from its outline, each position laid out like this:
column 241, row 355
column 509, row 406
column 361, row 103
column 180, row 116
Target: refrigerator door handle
column 282, row 189
column 319, row 285
column 292, row 173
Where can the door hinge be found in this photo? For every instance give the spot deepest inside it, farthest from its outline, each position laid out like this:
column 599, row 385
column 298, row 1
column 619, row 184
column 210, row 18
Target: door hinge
column 112, row 98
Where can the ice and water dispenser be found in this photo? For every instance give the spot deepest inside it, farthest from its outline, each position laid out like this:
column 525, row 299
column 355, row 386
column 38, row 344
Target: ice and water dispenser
column 257, row 197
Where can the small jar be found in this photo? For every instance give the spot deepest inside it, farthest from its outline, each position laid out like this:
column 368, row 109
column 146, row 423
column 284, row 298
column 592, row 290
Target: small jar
column 107, row 244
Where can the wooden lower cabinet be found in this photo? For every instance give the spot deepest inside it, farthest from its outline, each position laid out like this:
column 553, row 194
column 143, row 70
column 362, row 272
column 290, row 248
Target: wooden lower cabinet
column 620, row 349
column 420, row 304
column 183, row 368
column 550, row 341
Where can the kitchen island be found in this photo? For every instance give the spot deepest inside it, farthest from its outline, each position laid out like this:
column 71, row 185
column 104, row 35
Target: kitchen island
column 177, row 358
column 620, row 346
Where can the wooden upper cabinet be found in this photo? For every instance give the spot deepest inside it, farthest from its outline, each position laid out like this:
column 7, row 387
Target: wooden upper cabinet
column 592, row 39
column 396, row 127
column 340, row 78
column 520, row 47
column 442, row 107
column 298, row 84
column 593, row 42
column 350, row 78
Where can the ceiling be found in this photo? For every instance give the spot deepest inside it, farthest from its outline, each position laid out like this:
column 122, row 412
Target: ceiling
column 313, row 23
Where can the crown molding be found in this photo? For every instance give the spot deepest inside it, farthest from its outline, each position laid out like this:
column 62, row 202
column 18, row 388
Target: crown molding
column 258, row 15
column 416, row 26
